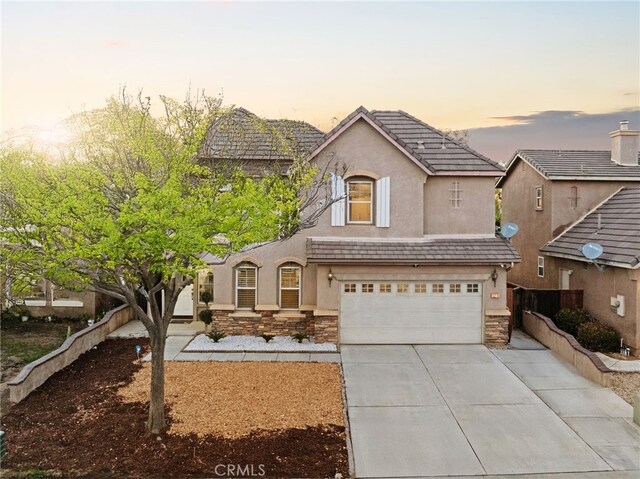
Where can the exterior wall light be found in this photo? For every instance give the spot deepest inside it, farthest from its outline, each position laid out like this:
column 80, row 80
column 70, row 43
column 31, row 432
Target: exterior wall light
column 494, row 276
column 330, row 276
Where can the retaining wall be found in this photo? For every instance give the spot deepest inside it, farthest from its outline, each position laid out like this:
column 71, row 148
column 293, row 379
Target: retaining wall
column 38, row 371
column 565, row 345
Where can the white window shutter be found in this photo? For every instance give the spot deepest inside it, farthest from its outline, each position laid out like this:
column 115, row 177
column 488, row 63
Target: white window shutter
column 383, row 202
column 337, row 207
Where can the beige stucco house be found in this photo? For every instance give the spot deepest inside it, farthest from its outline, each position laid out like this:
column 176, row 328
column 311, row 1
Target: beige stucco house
column 553, row 194
column 406, row 253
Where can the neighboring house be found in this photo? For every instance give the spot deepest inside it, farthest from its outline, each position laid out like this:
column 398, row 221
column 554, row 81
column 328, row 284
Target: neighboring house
column 613, row 294
column 546, row 191
column 407, row 253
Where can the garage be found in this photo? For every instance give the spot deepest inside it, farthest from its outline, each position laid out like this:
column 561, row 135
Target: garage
column 410, row 312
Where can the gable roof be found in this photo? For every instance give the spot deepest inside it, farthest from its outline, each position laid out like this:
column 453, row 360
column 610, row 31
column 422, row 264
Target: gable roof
column 574, row 165
column 413, row 251
column 619, row 233
column 422, row 143
column 242, row 135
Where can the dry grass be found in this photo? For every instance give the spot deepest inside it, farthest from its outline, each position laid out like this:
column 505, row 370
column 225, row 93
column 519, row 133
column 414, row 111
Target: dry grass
column 626, row 385
column 233, row 399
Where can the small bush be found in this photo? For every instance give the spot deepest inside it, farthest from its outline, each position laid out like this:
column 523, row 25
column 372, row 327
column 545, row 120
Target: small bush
column 216, row 335
column 206, row 316
column 206, row 297
column 568, row 320
column 598, row 337
column 300, row 337
column 267, row 337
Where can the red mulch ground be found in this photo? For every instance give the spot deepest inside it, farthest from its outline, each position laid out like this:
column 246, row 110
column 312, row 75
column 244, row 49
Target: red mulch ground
column 75, row 424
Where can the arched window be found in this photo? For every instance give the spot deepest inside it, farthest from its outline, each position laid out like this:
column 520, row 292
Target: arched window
column 290, row 281
column 246, row 278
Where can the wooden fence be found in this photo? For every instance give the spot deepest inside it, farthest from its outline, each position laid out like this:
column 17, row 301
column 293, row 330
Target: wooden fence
column 544, row 301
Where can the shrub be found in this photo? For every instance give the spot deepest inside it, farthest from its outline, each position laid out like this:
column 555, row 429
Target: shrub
column 300, row 337
column 206, row 297
column 598, row 337
column 206, row 316
column 216, row 335
column 569, row 319
column 267, row 337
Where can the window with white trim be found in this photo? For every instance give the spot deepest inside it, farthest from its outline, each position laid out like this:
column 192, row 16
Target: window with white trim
column 360, row 201
column 385, row 287
column 403, row 288
column 246, row 286
column 538, row 201
column 456, row 194
column 290, row 285
column 455, row 288
column 420, row 288
column 437, row 288
column 367, row 288
column 541, row 266
column 472, row 288
column 349, row 287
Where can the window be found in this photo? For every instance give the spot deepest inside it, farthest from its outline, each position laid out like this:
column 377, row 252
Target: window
column 420, row 288
column 541, row 266
column 246, row 286
column 64, row 297
column 360, row 202
column 437, row 288
column 538, row 197
column 385, row 287
column 472, row 288
column 573, row 197
column 349, row 288
column 290, row 286
column 403, row 288
column 455, row 288
column 367, row 288
column 205, row 283
column 456, row 194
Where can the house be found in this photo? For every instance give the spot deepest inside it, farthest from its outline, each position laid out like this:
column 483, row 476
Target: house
column 612, row 288
column 546, row 192
column 406, row 253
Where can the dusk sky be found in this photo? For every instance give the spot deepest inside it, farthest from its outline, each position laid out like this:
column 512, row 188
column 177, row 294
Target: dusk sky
column 517, row 74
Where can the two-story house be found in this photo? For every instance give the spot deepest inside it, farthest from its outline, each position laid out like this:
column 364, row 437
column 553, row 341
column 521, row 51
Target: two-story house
column 554, row 195
column 407, row 253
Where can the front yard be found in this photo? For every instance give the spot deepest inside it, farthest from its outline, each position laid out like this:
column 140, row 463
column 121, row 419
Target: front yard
column 88, row 420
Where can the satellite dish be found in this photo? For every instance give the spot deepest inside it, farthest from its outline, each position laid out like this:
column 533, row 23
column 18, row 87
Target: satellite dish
column 509, row 230
column 592, row 250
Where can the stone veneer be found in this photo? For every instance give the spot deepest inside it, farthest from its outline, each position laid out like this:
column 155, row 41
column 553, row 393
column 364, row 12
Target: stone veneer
column 496, row 330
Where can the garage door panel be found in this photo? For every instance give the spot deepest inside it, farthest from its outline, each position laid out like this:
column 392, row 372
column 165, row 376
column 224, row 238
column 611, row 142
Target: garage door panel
column 414, row 318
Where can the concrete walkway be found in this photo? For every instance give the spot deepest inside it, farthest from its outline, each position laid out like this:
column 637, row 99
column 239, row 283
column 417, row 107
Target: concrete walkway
column 622, row 365
column 428, row 411
column 135, row 329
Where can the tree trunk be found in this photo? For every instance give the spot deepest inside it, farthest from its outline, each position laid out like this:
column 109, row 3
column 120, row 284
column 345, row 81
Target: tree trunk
column 157, row 421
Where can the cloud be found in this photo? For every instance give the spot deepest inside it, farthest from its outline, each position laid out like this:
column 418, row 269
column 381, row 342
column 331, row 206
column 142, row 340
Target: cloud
column 552, row 129
column 114, row 43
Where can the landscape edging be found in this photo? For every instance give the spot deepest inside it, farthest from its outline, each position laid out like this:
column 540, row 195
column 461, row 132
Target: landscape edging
column 544, row 330
column 37, row 372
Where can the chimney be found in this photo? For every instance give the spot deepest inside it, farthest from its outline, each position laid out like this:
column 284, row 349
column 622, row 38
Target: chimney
column 625, row 145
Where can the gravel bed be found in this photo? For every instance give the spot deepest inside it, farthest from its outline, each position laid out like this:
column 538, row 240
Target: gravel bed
column 626, row 385
column 256, row 344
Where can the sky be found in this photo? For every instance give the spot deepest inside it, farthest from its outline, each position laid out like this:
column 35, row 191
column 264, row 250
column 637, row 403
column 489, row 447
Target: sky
column 516, row 74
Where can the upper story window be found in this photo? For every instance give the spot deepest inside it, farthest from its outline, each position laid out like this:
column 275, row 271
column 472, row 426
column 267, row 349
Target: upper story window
column 456, row 194
column 573, row 197
column 360, row 201
column 538, row 201
column 246, row 286
column 290, row 286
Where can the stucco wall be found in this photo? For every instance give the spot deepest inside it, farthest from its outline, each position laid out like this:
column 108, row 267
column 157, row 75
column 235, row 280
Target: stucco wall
column 599, row 287
column 535, row 226
column 476, row 214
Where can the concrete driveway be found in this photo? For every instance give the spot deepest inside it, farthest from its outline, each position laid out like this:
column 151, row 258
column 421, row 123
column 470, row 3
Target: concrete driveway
column 421, row 411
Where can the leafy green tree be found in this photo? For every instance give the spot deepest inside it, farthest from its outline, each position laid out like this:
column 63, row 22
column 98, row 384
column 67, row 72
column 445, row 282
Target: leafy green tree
column 129, row 210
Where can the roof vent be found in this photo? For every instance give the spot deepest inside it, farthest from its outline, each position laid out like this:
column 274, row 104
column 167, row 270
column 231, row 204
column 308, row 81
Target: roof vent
column 624, row 145
column 421, row 145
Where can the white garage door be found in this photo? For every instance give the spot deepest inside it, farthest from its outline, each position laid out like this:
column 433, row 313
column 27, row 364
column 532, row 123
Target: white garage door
column 398, row 312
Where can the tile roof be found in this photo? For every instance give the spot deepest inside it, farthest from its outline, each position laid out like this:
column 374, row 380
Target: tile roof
column 424, row 143
column 575, row 164
column 419, row 251
column 619, row 232
column 242, row 135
